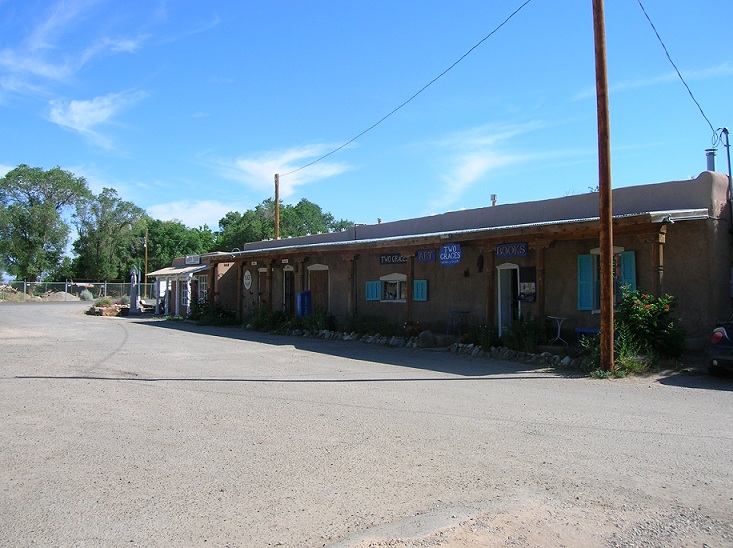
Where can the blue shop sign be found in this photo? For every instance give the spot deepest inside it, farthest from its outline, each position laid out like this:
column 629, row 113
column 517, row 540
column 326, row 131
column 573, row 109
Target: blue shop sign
column 511, row 250
column 450, row 254
column 425, row 256
column 392, row 258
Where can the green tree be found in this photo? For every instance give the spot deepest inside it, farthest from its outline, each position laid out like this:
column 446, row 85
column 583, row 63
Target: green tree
column 110, row 236
column 170, row 239
column 303, row 218
column 33, row 234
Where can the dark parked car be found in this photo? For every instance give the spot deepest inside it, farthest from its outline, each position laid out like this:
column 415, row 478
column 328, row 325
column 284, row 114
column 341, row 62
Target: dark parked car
column 719, row 350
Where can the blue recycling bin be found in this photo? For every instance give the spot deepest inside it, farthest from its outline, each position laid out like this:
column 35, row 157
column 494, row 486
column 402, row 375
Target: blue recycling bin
column 304, row 303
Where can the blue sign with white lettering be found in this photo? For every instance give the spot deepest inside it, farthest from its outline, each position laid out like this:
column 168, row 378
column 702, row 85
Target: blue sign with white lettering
column 450, row 254
column 511, row 250
column 425, row 256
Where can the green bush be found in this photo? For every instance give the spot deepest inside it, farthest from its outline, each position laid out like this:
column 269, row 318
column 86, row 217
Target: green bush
column 211, row 314
column 648, row 319
column 484, row 335
column 645, row 335
column 104, row 302
column 86, row 295
column 524, row 334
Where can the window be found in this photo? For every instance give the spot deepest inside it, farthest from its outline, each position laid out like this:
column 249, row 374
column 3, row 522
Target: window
column 203, row 288
column 393, row 287
column 589, row 277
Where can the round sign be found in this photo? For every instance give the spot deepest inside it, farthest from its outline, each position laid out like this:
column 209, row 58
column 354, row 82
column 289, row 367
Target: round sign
column 247, row 279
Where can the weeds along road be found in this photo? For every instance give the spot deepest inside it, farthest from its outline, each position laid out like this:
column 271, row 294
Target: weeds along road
column 136, row 431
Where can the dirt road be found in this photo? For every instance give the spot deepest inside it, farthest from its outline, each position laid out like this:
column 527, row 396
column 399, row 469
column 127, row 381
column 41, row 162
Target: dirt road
column 138, row 432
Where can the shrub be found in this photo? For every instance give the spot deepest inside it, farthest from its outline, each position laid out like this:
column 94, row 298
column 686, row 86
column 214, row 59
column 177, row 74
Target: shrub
column 211, row 314
column 524, row 334
column 648, row 319
column 104, row 302
column 484, row 335
column 125, row 300
column 86, row 295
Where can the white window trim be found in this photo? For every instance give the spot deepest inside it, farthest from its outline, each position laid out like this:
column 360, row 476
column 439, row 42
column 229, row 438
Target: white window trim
column 399, row 279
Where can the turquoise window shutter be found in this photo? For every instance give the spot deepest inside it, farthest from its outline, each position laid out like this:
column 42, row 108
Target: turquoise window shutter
column 373, row 291
column 628, row 269
column 585, row 282
column 420, row 290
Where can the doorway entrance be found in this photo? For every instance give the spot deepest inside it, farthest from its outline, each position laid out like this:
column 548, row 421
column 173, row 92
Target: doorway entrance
column 508, row 290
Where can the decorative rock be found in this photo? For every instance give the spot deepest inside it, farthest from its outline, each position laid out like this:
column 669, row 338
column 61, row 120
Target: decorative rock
column 426, row 339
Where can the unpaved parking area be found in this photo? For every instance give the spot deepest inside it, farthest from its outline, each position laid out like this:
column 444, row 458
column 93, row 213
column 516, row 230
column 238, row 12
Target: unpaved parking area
column 139, row 432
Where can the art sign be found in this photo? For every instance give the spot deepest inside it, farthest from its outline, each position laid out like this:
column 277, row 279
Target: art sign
column 450, row 254
column 392, row 258
column 425, row 256
column 511, row 250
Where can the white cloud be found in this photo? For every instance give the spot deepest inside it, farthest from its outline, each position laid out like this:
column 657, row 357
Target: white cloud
column 473, row 154
column 84, row 116
column 46, row 55
column 725, row 69
column 194, row 213
column 258, row 172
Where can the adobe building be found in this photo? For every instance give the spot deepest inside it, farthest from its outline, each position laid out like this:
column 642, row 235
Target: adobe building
column 493, row 264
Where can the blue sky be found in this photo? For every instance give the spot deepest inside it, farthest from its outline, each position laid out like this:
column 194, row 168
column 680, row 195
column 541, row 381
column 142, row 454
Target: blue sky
column 189, row 108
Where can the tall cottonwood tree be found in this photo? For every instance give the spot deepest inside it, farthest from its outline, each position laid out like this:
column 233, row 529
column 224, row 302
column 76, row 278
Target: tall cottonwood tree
column 33, row 234
column 305, row 217
column 110, row 236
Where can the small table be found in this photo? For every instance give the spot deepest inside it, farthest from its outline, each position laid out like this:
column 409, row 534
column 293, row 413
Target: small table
column 558, row 320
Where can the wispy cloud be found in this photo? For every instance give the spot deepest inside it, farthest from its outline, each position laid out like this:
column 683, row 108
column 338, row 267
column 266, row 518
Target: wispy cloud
column 194, row 213
column 84, row 116
column 725, row 69
column 258, row 171
column 472, row 154
column 45, row 54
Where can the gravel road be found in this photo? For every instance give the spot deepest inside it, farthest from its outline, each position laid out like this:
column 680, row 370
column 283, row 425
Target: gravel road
column 141, row 432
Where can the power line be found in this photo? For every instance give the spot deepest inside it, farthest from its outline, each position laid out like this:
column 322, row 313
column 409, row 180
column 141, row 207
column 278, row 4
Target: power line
column 669, row 57
column 426, row 86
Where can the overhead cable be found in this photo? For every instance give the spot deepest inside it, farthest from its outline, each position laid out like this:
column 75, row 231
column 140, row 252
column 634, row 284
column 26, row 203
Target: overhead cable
column 426, row 86
column 669, row 57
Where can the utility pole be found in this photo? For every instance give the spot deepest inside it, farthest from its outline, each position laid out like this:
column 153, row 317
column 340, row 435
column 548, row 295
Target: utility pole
column 604, row 188
column 277, row 206
column 145, row 245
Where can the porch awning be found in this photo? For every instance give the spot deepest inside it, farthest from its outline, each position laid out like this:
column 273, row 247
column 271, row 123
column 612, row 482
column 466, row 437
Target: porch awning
column 178, row 271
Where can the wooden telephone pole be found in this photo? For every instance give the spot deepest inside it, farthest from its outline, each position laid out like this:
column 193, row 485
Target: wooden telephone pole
column 277, row 206
column 604, row 188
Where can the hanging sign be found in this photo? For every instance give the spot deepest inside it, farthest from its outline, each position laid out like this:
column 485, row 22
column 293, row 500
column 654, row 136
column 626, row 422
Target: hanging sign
column 450, row 254
column 511, row 250
column 392, row 258
column 425, row 256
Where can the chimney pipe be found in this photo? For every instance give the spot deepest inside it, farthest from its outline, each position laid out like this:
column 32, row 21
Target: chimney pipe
column 710, row 153
column 493, row 200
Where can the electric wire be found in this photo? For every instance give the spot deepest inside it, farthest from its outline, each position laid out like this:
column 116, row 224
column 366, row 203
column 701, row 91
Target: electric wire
column 426, row 86
column 669, row 57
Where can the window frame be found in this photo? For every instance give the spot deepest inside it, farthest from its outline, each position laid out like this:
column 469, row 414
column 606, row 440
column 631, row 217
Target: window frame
column 589, row 277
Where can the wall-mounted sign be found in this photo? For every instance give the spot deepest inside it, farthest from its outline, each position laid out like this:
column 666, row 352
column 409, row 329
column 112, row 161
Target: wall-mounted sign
column 450, row 254
column 511, row 250
column 392, row 258
column 247, row 280
column 253, row 263
column 285, row 261
column 425, row 256
column 192, row 259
